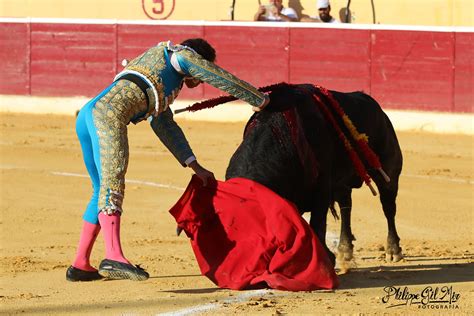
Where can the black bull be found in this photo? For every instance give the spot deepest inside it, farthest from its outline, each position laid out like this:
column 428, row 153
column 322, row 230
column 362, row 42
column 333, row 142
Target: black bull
column 291, row 148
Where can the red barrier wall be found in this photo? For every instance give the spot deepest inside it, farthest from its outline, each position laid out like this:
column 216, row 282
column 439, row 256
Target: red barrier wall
column 15, row 57
column 258, row 55
column 71, row 59
column 335, row 58
column 402, row 69
column 413, row 69
column 463, row 72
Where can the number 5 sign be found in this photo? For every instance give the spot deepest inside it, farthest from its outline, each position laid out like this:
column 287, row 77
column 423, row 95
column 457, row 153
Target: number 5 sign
column 158, row 9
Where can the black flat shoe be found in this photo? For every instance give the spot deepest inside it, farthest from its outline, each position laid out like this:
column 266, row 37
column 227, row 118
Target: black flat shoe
column 116, row 270
column 78, row 275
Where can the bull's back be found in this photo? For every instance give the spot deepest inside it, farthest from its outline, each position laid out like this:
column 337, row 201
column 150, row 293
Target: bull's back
column 267, row 156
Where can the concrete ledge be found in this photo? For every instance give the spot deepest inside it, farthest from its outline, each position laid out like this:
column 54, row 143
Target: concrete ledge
column 434, row 122
column 41, row 105
column 236, row 111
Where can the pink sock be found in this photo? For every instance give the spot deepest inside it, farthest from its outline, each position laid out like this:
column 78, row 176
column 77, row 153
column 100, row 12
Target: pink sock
column 111, row 230
column 86, row 242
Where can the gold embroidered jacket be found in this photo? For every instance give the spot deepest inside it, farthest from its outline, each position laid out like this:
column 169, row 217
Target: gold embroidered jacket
column 154, row 67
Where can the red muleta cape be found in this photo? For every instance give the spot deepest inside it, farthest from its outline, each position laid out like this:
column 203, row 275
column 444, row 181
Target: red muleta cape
column 246, row 236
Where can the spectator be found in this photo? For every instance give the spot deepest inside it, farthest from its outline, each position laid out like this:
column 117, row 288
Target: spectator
column 324, row 13
column 275, row 11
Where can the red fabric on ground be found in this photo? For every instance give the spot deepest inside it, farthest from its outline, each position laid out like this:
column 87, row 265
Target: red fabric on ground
column 244, row 234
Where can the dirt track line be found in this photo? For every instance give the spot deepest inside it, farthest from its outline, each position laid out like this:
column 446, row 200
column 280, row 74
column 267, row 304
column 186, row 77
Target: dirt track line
column 147, row 183
column 159, row 185
column 193, row 310
column 221, row 303
column 167, row 186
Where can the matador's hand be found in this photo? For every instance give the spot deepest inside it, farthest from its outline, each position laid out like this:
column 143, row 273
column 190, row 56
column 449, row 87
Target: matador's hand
column 205, row 175
column 263, row 105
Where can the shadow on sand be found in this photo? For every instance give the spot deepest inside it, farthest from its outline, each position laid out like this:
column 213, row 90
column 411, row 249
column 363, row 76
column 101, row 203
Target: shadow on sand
column 382, row 276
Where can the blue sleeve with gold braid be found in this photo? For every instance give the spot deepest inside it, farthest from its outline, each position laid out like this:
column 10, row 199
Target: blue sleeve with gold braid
column 171, row 136
column 194, row 65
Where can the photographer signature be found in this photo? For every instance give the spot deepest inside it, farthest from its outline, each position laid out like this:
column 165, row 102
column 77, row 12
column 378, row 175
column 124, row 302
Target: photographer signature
column 428, row 296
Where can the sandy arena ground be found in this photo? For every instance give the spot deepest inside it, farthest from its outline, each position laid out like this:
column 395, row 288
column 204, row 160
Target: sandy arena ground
column 44, row 190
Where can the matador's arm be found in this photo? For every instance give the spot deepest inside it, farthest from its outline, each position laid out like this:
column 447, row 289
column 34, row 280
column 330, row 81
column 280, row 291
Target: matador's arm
column 194, row 65
column 172, row 137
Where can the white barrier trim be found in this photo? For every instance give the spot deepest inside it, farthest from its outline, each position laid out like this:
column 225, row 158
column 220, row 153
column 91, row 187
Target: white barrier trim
column 237, row 111
column 460, row 29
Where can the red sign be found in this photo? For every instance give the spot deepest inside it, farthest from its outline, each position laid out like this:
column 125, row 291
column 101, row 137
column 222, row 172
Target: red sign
column 158, row 9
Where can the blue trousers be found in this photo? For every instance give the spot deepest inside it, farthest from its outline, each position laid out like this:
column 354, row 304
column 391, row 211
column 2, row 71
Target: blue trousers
column 87, row 134
column 101, row 127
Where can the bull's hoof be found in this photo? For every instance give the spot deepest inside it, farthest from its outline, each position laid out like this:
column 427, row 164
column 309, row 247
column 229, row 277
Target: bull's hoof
column 346, row 256
column 394, row 255
column 397, row 257
column 345, row 262
column 345, row 252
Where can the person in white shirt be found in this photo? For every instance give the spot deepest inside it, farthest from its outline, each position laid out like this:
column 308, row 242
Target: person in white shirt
column 275, row 11
column 324, row 13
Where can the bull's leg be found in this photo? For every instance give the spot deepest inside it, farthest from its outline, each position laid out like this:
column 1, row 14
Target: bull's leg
column 318, row 224
column 345, row 248
column 319, row 212
column 388, row 196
